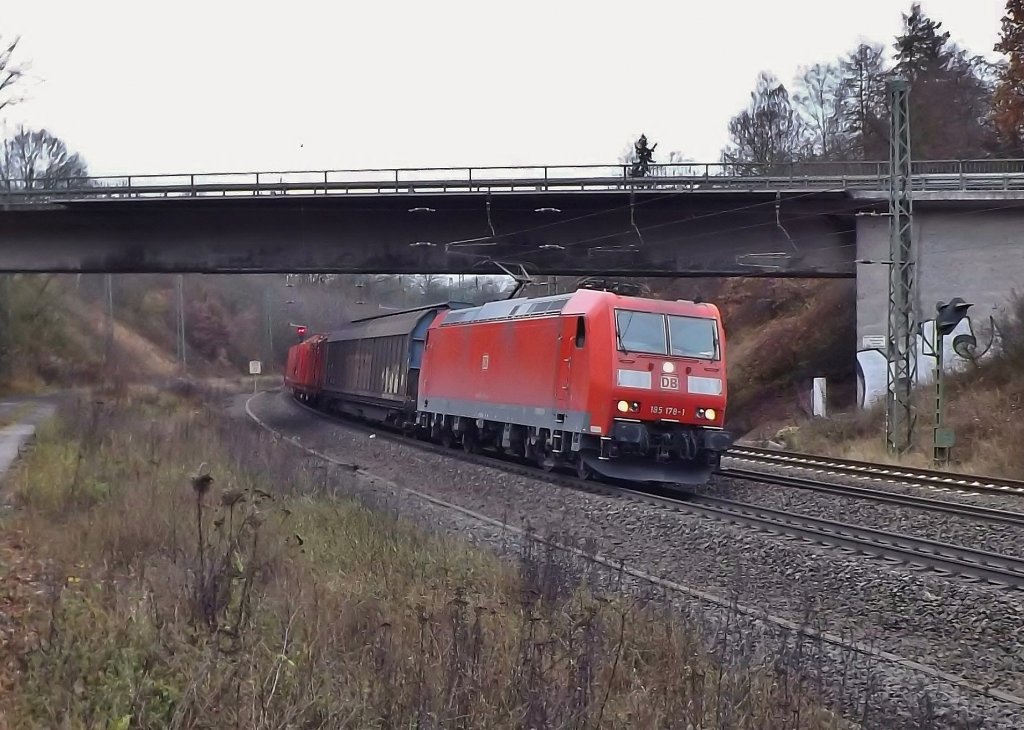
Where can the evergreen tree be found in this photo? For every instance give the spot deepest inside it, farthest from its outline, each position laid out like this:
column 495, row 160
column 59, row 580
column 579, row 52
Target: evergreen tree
column 950, row 92
column 864, row 110
column 921, row 49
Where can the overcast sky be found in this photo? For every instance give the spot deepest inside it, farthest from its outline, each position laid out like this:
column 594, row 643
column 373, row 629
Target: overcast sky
column 217, row 85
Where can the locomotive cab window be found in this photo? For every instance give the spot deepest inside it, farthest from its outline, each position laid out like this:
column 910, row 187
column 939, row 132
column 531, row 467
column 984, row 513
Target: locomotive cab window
column 693, row 337
column 641, row 332
column 581, row 332
column 674, row 335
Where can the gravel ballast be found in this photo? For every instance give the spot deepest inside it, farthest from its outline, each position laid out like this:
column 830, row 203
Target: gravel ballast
column 966, row 630
column 953, row 529
column 950, row 493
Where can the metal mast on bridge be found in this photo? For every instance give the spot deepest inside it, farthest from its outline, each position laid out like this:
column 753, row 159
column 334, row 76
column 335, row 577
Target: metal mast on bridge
column 901, row 350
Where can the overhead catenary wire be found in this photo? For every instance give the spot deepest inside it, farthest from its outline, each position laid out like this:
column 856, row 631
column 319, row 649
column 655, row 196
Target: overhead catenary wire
column 630, row 207
column 853, row 208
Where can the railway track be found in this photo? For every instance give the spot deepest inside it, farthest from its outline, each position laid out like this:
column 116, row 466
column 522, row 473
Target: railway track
column 913, row 552
column 933, row 478
column 984, row 514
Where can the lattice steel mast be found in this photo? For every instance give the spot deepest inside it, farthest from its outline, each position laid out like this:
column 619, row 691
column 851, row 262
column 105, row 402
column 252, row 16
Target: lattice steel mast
column 901, row 345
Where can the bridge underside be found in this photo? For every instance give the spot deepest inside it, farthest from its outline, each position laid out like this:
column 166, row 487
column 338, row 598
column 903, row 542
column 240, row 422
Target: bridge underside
column 570, row 233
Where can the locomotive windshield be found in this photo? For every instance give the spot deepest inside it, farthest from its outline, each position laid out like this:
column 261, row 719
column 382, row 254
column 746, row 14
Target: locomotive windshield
column 693, row 337
column 660, row 334
column 641, row 332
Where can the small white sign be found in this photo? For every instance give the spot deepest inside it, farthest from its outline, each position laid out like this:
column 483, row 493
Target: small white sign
column 873, row 342
column 254, row 367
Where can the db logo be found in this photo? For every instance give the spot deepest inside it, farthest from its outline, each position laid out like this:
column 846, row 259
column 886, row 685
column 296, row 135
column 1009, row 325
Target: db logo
column 670, row 382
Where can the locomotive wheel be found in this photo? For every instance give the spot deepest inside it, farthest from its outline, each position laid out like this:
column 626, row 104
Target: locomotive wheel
column 583, row 471
column 447, row 440
column 469, row 444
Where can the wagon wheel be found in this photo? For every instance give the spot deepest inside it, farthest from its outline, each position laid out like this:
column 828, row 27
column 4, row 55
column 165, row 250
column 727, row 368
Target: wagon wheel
column 583, row 471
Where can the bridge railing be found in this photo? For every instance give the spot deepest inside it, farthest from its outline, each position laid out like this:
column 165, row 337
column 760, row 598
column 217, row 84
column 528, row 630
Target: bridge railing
column 938, row 175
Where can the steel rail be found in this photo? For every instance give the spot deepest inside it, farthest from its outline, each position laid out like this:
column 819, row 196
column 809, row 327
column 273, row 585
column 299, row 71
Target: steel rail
column 987, row 514
column 879, row 472
column 942, row 558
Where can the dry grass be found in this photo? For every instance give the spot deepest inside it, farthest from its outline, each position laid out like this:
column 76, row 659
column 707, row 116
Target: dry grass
column 985, row 406
column 22, row 382
column 265, row 599
column 782, row 334
column 57, row 335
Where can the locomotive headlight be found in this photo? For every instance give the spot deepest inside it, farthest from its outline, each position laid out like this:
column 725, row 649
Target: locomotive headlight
column 623, row 406
column 709, row 413
column 634, row 406
column 668, row 367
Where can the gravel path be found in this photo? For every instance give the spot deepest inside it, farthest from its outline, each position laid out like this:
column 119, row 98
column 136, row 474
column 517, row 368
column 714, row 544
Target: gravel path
column 19, row 419
column 970, row 631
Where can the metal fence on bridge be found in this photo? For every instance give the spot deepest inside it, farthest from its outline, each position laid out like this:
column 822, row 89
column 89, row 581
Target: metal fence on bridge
column 927, row 175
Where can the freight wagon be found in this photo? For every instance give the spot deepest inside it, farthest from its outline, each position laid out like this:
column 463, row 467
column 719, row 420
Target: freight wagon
column 372, row 366
column 303, row 372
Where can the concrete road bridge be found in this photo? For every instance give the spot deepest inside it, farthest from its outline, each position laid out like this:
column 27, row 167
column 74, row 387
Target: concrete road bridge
column 800, row 220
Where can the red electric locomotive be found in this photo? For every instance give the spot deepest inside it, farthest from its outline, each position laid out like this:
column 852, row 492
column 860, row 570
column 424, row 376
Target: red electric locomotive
column 628, row 387
column 624, row 386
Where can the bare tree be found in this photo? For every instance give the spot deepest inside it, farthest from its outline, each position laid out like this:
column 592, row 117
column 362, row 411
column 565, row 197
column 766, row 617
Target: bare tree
column 820, row 97
column 628, row 155
column 768, row 134
column 677, row 165
column 10, row 73
column 38, row 160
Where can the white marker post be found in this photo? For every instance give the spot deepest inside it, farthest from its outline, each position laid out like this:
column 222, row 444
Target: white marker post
column 818, row 399
column 254, row 370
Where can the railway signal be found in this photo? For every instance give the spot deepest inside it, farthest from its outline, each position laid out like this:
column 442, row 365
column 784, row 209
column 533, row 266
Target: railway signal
column 948, row 316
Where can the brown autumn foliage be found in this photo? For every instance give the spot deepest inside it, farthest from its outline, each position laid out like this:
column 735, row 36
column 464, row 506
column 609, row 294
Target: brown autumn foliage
column 1008, row 101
